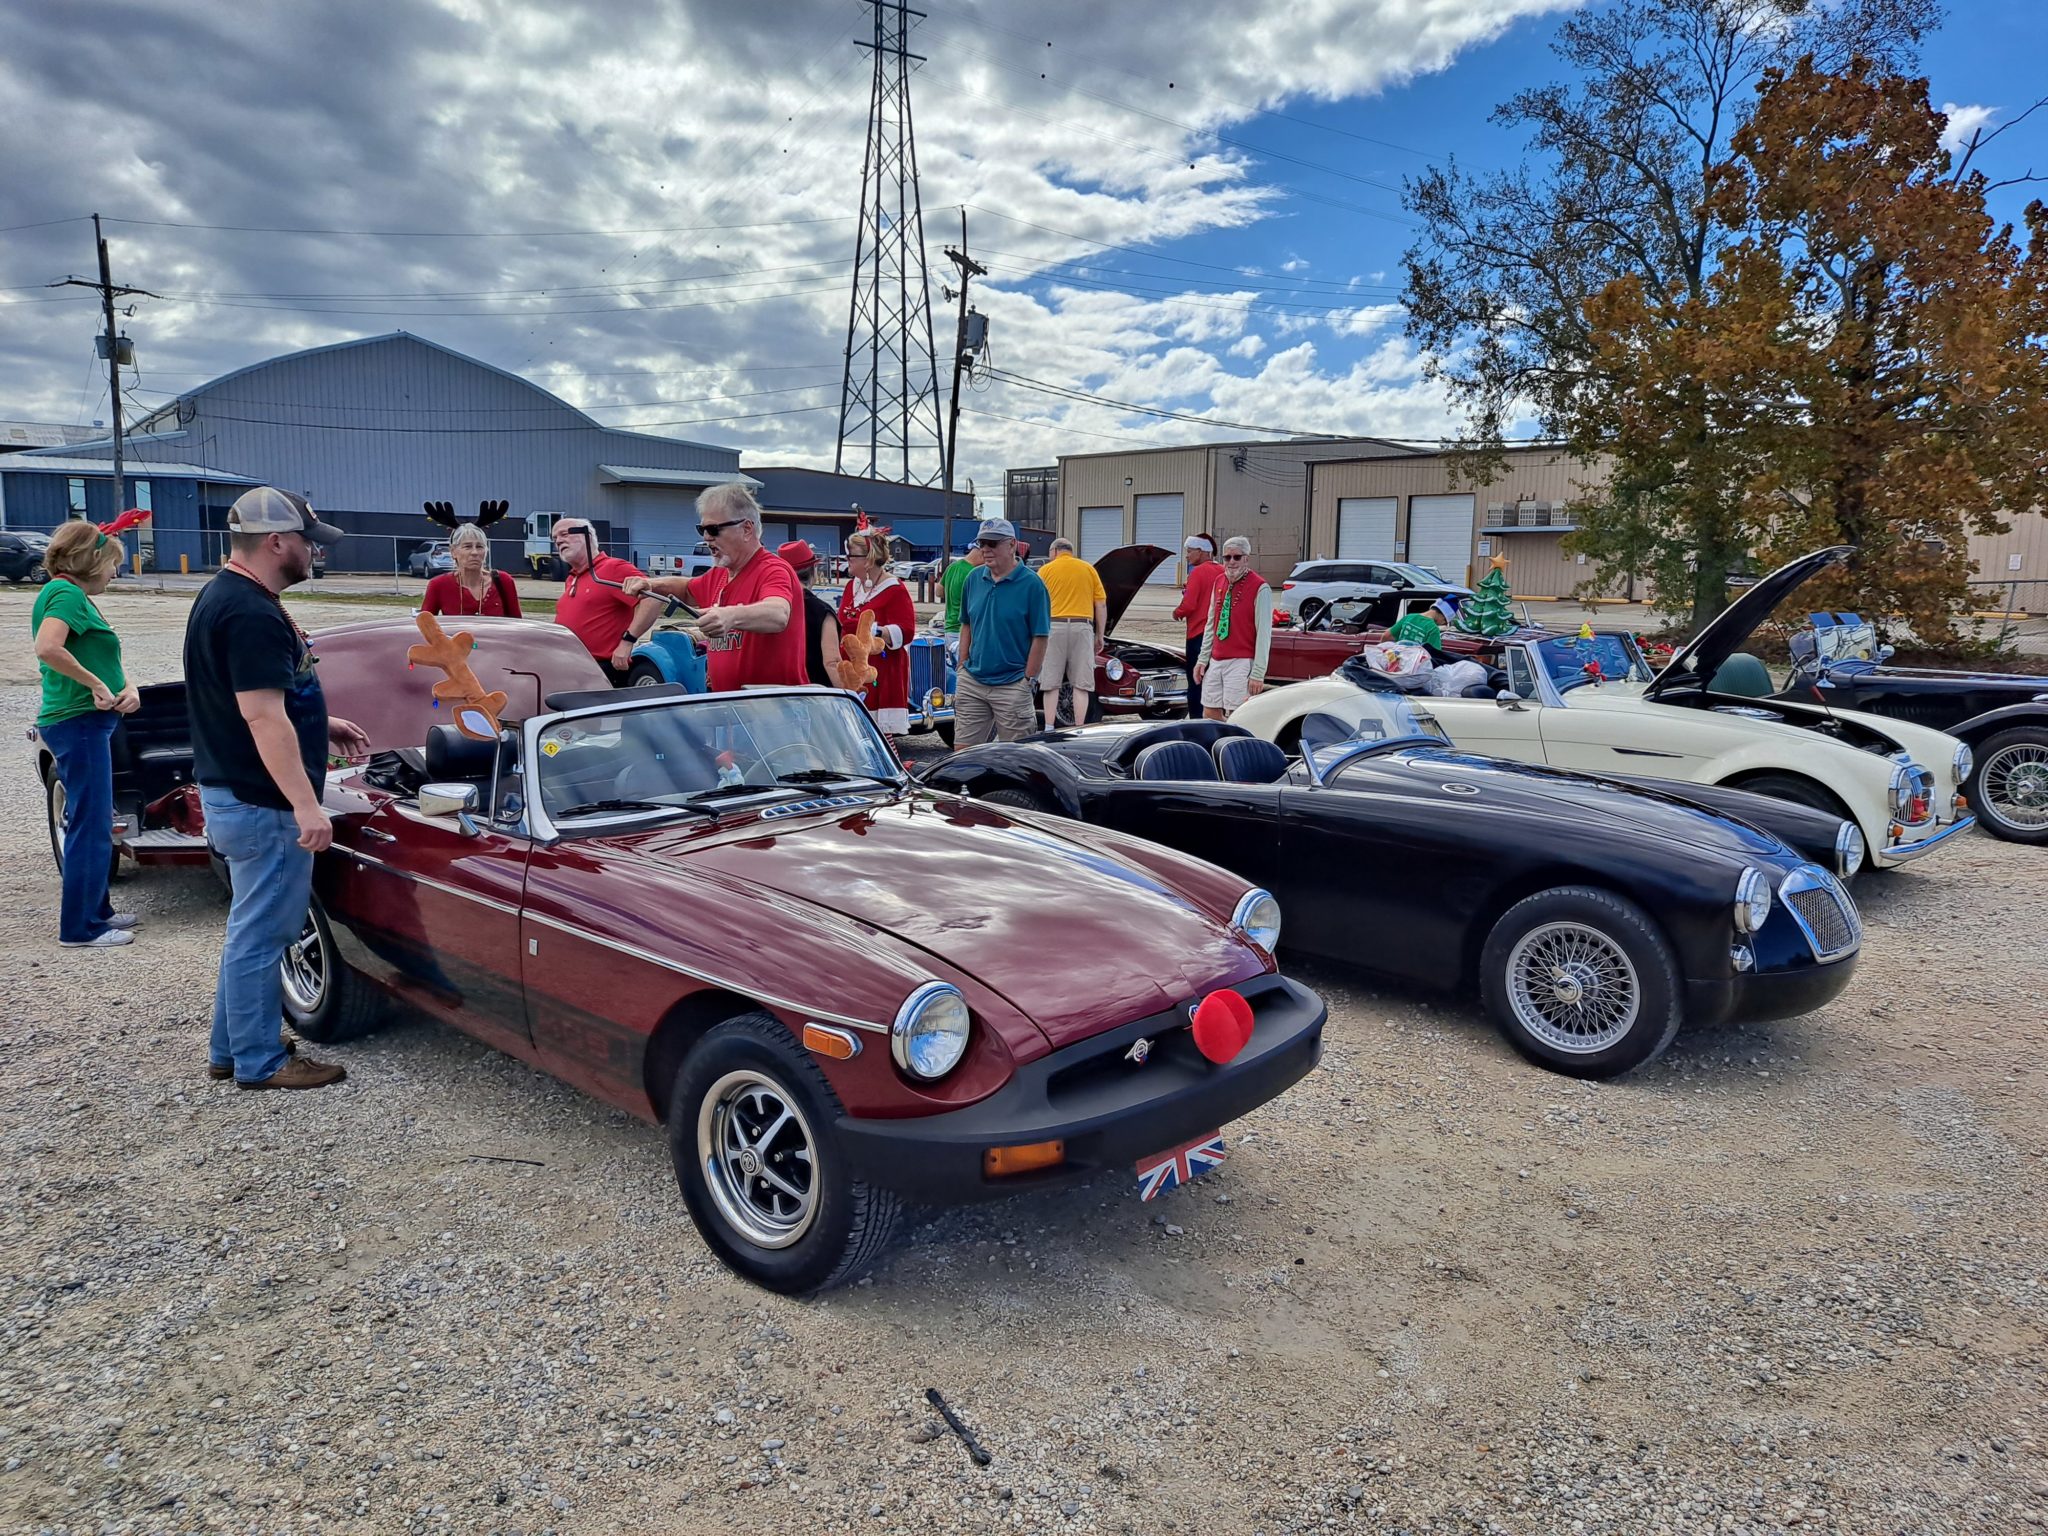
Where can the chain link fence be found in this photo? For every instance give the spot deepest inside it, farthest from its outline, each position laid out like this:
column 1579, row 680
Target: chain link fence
column 2013, row 612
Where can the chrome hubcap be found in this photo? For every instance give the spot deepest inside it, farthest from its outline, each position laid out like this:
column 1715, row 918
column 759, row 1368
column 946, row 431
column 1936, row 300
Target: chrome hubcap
column 646, row 680
column 759, row 1158
column 303, row 969
column 2015, row 784
column 57, row 804
column 1573, row 987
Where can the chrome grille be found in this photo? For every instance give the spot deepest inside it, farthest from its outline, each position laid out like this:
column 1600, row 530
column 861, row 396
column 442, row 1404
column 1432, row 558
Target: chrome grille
column 1823, row 911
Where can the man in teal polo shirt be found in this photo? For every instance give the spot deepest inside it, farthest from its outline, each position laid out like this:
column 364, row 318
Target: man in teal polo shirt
column 1005, row 616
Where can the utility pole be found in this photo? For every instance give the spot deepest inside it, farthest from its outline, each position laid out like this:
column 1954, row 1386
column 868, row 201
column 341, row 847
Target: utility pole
column 964, row 348
column 111, row 344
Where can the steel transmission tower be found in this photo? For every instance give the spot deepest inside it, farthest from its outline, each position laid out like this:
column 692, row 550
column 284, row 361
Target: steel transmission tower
column 889, row 394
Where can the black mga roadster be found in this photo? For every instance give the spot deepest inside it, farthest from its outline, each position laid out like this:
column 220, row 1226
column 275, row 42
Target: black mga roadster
column 2002, row 715
column 1598, row 916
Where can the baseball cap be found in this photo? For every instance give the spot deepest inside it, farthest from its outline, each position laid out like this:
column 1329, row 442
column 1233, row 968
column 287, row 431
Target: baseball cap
column 997, row 528
column 269, row 510
column 799, row 554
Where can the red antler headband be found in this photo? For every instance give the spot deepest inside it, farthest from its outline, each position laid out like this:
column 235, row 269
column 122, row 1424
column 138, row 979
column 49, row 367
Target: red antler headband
column 134, row 517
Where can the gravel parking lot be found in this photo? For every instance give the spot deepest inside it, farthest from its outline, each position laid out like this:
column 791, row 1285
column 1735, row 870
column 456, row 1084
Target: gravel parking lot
column 1789, row 1276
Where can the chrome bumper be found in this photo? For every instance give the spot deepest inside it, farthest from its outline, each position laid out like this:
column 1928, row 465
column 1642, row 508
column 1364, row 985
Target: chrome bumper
column 1905, row 853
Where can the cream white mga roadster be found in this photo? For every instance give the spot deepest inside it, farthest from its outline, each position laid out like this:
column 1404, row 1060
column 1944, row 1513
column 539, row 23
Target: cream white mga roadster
column 1590, row 703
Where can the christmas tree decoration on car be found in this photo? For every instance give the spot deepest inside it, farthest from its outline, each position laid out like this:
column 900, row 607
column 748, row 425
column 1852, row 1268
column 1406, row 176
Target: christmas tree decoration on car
column 1488, row 612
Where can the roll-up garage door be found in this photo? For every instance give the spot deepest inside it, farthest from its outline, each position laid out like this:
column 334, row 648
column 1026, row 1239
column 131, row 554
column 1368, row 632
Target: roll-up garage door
column 1159, row 522
column 1365, row 528
column 1440, row 535
column 1102, row 529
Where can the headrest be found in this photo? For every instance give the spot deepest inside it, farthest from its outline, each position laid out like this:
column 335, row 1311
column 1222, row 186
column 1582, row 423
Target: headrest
column 1203, row 733
column 454, row 756
column 1248, row 760
column 1182, row 760
column 1743, row 675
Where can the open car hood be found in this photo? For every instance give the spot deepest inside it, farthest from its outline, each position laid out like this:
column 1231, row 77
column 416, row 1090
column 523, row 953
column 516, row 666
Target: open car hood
column 1123, row 571
column 1696, row 663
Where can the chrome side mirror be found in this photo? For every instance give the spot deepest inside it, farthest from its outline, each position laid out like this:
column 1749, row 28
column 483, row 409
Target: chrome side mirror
column 456, row 800
column 1886, row 652
column 1509, row 700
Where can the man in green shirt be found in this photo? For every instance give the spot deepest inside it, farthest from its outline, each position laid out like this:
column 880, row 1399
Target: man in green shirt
column 955, row 581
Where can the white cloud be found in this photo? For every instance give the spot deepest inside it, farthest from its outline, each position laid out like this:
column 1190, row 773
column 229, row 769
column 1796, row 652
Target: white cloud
column 722, row 145
column 1962, row 123
column 1294, row 264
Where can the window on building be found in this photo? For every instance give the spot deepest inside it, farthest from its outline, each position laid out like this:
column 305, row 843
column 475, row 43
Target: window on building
column 76, row 486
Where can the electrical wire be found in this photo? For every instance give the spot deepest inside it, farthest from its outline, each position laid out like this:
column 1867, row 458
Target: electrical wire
column 637, row 426
column 468, row 234
column 1021, row 382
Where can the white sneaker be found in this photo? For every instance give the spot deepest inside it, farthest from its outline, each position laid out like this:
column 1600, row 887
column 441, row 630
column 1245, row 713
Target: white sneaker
column 111, row 939
column 124, row 920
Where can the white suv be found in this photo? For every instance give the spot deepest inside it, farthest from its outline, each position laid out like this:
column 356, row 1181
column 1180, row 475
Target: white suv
column 1325, row 581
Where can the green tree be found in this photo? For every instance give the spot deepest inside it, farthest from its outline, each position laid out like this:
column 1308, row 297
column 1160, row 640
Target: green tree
column 1502, row 287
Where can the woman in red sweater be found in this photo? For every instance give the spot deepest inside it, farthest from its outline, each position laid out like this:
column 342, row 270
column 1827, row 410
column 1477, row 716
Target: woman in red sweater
column 874, row 590
column 472, row 589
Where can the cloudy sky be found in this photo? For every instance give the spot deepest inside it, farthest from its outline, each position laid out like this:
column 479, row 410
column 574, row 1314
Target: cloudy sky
column 649, row 207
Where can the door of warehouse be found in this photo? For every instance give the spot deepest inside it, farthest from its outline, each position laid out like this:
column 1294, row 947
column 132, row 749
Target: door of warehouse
column 1159, row 522
column 1440, row 535
column 1102, row 529
column 1365, row 528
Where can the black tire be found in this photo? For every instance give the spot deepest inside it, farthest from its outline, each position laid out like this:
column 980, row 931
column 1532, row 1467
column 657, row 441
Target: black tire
column 1021, row 799
column 38, row 573
column 53, row 809
column 643, row 674
column 1792, row 788
column 1310, row 613
column 1587, row 934
column 325, row 998
column 2009, row 807
column 945, row 731
column 833, row 1227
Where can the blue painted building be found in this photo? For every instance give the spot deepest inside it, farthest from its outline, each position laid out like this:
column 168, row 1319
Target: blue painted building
column 40, row 491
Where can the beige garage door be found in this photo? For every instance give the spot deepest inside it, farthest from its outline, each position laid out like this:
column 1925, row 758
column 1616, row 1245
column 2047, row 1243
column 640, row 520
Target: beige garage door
column 1102, row 529
column 1440, row 535
column 1159, row 522
column 1365, row 528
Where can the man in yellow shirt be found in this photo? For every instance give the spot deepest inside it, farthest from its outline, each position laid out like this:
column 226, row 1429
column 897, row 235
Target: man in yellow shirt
column 1080, row 611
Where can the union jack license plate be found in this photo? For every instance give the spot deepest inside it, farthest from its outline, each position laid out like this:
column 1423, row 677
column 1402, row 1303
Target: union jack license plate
column 1169, row 1170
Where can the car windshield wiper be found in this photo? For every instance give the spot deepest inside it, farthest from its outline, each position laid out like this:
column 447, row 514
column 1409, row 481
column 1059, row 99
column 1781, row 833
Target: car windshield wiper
column 593, row 807
column 832, row 776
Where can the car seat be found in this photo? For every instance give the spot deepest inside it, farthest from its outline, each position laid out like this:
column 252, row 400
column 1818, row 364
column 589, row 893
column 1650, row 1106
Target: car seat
column 453, row 758
column 1248, row 760
column 1174, row 760
column 1744, row 676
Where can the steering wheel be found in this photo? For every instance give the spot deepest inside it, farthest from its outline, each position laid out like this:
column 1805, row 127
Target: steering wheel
column 813, row 759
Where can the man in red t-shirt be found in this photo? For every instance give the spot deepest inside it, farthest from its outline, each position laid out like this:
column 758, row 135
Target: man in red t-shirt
column 748, row 604
column 608, row 620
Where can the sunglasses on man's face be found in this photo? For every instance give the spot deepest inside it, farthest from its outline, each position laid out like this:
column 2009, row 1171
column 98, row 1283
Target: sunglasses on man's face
column 1233, row 557
column 713, row 530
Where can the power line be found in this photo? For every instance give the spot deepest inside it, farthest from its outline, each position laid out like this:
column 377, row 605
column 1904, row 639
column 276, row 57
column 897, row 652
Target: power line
column 638, row 426
column 493, row 293
column 1308, row 287
column 1110, row 245
column 1002, row 376
column 545, row 406
column 470, row 234
column 507, row 314
column 69, row 218
column 1278, row 306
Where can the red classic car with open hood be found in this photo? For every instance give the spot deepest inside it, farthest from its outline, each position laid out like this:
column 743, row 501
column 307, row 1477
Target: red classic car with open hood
column 735, row 914
column 1133, row 680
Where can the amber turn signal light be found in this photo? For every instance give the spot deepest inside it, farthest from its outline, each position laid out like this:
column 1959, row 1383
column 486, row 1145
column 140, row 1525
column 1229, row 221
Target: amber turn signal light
column 839, row 1044
column 1001, row 1162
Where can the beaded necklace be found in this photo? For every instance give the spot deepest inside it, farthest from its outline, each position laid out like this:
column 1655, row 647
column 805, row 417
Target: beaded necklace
column 276, row 602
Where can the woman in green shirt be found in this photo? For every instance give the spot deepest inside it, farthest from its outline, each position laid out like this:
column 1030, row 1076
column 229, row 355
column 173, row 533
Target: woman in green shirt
column 84, row 692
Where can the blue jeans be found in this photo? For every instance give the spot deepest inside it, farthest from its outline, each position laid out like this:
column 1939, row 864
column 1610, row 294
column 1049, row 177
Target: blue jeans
column 85, row 767
column 273, row 883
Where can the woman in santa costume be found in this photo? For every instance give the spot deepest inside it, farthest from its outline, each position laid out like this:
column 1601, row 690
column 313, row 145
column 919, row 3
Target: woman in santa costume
column 872, row 589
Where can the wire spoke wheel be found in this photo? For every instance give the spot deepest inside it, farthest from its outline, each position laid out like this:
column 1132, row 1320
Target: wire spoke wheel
column 2014, row 784
column 759, row 1158
column 303, row 968
column 1573, row 987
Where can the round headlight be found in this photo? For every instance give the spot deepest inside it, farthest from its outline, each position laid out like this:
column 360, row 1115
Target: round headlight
column 1849, row 850
column 1258, row 916
column 1965, row 761
column 1901, row 790
column 1113, row 670
column 1752, row 901
column 930, row 1033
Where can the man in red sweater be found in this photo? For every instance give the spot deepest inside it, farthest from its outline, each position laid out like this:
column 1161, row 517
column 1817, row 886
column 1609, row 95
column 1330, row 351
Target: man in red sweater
column 749, row 604
column 608, row 620
column 1193, row 609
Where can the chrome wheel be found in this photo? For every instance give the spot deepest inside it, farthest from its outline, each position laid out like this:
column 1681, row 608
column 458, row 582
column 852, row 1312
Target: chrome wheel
column 647, row 679
column 303, row 969
column 759, row 1158
column 2013, row 782
column 57, row 804
column 1573, row 987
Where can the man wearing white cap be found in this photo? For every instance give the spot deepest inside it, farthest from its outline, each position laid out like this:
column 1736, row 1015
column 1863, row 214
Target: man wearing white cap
column 260, row 739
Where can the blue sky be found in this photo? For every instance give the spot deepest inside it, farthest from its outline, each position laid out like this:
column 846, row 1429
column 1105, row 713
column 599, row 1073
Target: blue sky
column 646, row 206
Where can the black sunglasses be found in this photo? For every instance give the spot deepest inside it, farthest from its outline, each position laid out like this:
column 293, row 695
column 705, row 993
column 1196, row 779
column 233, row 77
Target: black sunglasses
column 1233, row 557
column 713, row 530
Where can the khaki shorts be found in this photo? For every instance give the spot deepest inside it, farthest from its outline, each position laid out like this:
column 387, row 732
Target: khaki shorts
column 1069, row 655
column 983, row 712
column 1227, row 683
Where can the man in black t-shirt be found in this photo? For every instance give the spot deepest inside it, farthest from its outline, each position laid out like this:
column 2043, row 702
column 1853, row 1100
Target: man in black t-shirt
column 260, row 738
column 821, row 619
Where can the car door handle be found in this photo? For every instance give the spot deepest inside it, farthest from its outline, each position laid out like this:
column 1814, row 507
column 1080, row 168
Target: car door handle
column 378, row 835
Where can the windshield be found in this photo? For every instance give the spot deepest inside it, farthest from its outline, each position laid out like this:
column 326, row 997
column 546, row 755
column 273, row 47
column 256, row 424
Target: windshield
column 698, row 750
column 1844, row 637
column 1369, row 719
column 1573, row 660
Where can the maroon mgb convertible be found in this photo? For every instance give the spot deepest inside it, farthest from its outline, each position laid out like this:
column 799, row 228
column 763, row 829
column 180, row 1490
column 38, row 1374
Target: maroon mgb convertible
column 735, row 914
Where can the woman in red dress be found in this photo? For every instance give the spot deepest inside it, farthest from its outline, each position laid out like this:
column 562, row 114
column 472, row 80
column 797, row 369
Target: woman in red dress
column 472, row 588
column 873, row 590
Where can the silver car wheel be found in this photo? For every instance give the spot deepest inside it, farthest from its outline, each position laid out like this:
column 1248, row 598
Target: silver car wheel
column 1573, row 987
column 759, row 1158
column 2014, row 786
column 303, row 969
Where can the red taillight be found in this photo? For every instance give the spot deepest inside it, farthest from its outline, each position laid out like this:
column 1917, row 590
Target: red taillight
column 1286, row 586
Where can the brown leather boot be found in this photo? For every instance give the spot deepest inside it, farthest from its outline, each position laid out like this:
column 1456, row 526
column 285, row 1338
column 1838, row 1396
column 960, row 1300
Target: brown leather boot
column 300, row 1072
column 221, row 1074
